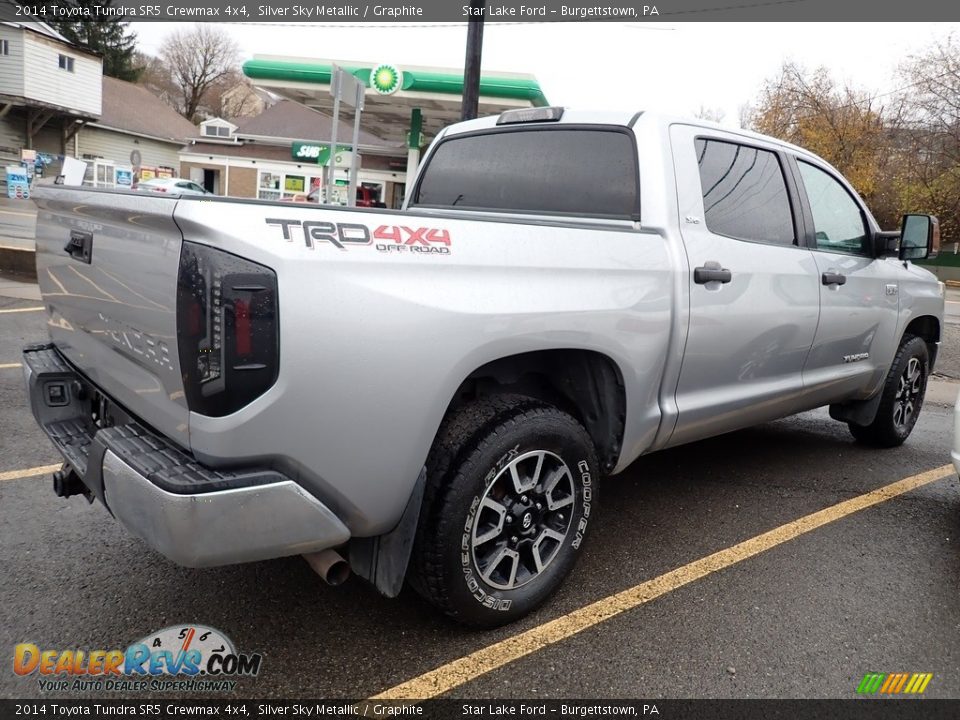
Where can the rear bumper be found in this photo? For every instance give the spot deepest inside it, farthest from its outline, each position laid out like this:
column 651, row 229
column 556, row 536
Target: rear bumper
column 194, row 515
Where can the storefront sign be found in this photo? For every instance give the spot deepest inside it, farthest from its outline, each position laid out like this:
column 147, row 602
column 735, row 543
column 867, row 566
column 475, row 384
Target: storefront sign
column 17, row 185
column 320, row 154
column 386, row 79
column 123, row 177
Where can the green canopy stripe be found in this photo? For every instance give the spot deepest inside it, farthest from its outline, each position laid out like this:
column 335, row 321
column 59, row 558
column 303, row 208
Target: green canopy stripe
column 414, row 80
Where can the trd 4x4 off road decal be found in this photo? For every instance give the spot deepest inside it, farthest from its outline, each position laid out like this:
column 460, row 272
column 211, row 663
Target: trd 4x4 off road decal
column 404, row 239
column 391, row 238
column 337, row 234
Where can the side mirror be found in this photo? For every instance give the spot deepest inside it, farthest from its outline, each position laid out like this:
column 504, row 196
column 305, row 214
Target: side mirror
column 919, row 237
column 885, row 243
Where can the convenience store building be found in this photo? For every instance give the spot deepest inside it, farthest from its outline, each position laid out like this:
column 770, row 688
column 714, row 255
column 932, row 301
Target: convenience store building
column 404, row 108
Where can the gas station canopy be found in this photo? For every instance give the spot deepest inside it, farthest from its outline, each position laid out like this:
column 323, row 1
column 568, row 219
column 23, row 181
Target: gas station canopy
column 394, row 93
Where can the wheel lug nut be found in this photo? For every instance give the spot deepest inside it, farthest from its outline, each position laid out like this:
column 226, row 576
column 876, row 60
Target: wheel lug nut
column 539, row 506
column 524, row 500
column 513, row 539
column 509, row 518
column 561, row 517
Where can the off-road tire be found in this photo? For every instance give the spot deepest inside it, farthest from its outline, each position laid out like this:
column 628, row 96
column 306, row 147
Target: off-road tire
column 470, row 464
column 901, row 399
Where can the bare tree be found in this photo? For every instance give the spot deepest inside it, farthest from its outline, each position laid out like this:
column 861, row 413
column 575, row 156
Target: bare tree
column 712, row 114
column 845, row 125
column 233, row 97
column 930, row 182
column 155, row 76
column 197, row 60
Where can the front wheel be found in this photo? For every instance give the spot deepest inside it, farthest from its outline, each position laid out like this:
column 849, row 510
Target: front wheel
column 901, row 399
column 510, row 490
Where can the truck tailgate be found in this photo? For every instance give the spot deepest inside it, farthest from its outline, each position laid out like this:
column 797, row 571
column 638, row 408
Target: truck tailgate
column 107, row 267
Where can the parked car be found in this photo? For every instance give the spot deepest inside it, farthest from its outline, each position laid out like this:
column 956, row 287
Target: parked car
column 172, row 186
column 432, row 394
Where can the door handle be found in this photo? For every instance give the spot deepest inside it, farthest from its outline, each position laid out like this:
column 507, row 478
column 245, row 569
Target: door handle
column 703, row 275
column 832, row 278
column 80, row 245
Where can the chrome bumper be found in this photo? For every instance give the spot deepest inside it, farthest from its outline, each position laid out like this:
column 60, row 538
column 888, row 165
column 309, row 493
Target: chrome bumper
column 221, row 527
column 194, row 515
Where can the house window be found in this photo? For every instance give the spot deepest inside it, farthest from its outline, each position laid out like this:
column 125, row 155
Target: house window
column 216, row 131
column 66, row 63
column 4, row 47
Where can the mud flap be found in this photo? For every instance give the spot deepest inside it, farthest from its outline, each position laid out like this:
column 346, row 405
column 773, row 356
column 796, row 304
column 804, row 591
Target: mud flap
column 861, row 412
column 383, row 559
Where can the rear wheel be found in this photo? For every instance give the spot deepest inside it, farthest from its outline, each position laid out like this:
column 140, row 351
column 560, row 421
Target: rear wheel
column 901, row 399
column 510, row 489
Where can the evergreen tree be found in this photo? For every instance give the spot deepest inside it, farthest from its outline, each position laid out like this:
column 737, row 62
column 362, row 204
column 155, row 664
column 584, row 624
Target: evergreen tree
column 111, row 37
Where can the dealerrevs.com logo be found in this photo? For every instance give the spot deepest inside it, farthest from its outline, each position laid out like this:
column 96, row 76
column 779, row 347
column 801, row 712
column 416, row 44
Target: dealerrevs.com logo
column 184, row 658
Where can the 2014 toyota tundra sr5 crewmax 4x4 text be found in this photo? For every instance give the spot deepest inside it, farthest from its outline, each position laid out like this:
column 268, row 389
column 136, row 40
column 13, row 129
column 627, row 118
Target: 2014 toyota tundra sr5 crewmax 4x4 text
column 431, row 395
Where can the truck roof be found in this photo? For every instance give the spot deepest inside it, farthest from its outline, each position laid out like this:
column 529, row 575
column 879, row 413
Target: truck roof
column 574, row 116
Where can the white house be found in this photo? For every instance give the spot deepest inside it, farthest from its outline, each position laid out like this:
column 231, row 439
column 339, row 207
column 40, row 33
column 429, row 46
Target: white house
column 48, row 87
column 135, row 129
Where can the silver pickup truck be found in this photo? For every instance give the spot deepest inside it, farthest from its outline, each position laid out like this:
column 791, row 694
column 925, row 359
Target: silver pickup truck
column 431, row 395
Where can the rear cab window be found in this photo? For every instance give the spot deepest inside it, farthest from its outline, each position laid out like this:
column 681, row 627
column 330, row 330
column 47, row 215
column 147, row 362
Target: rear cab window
column 584, row 171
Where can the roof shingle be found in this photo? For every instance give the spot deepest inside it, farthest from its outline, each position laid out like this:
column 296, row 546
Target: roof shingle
column 291, row 120
column 135, row 109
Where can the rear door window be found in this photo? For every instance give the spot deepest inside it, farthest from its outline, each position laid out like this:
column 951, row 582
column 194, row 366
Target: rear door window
column 744, row 192
column 567, row 171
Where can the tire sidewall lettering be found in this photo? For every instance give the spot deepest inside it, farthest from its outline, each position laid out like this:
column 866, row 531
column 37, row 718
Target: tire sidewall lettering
column 504, row 460
column 586, row 494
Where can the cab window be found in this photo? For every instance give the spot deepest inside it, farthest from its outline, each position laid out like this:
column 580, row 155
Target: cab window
column 588, row 172
column 744, row 192
column 837, row 218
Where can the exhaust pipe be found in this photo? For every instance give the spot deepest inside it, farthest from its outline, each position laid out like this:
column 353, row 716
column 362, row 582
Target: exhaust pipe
column 329, row 565
column 67, row 483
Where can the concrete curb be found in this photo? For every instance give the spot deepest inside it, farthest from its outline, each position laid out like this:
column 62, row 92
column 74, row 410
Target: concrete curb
column 941, row 391
column 19, row 261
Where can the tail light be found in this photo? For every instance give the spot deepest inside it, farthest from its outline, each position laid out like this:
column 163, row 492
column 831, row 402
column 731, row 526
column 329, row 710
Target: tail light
column 228, row 329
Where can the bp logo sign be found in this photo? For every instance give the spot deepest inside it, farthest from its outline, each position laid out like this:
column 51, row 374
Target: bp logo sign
column 386, row 79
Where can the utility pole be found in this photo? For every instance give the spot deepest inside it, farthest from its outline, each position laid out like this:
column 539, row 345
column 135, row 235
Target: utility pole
column 471, row 69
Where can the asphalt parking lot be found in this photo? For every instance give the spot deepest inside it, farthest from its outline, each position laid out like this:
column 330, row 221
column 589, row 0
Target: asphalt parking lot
column 871, row 590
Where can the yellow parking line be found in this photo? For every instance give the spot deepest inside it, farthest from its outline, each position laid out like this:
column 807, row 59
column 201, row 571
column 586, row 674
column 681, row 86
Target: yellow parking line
column 26, row 309
column 469, row 667
column 8, row 366
column 29, row 472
